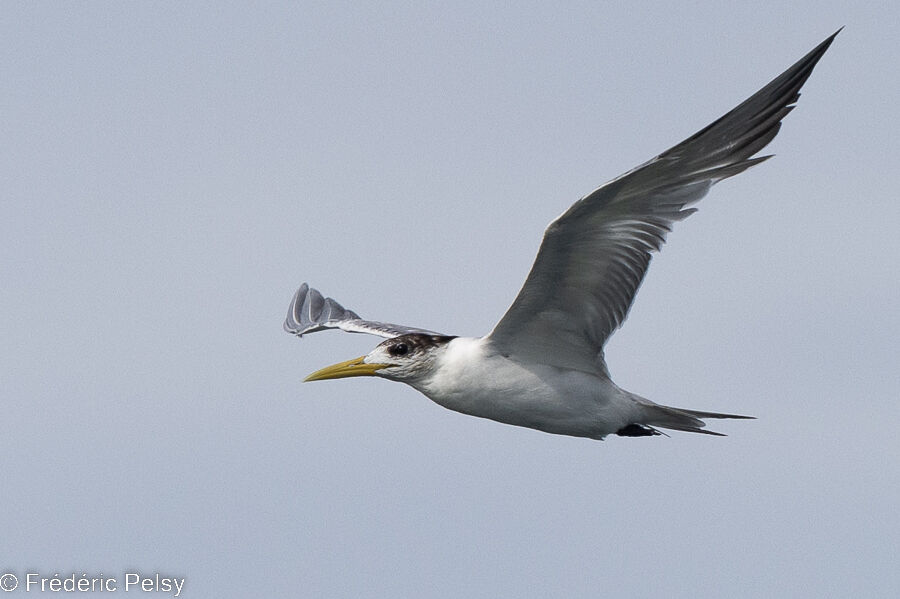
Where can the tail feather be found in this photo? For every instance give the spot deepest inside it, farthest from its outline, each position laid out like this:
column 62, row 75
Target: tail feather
column 681, row 419
column 699, row 414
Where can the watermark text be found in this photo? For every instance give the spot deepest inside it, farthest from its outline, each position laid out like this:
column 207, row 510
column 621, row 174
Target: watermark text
column 34, row 582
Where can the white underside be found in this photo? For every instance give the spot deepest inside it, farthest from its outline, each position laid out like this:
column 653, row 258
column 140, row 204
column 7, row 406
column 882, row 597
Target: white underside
column 474, row 379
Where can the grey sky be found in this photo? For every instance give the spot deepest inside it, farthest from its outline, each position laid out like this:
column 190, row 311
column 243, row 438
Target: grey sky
column 170, row 173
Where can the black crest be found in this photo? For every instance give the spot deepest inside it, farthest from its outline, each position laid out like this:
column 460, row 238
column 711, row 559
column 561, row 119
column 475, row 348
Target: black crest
column 413, row 343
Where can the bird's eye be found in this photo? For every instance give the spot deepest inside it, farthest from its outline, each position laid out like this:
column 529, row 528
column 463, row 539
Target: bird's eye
column 400, row 349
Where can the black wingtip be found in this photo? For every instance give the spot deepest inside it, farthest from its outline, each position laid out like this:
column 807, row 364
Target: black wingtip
column 827, row 42
column 816, row 53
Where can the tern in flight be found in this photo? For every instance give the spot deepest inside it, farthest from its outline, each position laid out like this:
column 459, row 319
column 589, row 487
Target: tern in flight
column 543, row 366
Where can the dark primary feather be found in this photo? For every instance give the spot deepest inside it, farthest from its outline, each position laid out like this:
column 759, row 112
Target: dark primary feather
column 593, row 258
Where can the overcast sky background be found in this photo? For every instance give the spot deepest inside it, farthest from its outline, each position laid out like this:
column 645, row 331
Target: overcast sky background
column 171, row 172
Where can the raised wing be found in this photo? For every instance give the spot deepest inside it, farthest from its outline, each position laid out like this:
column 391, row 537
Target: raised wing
column 593, row 258
column 310, row 312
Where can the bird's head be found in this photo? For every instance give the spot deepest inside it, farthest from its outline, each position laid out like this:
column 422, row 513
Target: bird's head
column 404, row 358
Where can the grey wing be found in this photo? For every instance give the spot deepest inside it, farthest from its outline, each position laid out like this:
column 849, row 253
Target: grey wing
column 310, row 312
column 593, row 258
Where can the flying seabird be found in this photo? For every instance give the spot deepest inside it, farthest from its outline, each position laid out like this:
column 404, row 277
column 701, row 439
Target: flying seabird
column 543, row 365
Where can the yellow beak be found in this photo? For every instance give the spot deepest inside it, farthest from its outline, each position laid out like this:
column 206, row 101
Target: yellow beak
column 354, row 367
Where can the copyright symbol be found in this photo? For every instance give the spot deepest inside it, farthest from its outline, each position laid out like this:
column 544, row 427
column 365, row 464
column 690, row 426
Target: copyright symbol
column 9, row 582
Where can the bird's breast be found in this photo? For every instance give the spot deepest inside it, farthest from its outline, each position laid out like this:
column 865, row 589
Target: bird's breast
column 472, row 379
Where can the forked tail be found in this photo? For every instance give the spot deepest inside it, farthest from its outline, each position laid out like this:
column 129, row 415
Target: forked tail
column 678, row 419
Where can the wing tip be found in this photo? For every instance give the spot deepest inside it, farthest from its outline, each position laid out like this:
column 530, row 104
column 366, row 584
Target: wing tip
column 291, row 323
column 306, row 310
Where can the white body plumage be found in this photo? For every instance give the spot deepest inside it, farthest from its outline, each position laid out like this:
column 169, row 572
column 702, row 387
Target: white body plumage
column 471, row 377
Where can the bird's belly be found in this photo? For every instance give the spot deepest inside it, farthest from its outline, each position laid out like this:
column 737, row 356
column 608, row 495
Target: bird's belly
column 546, row 398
